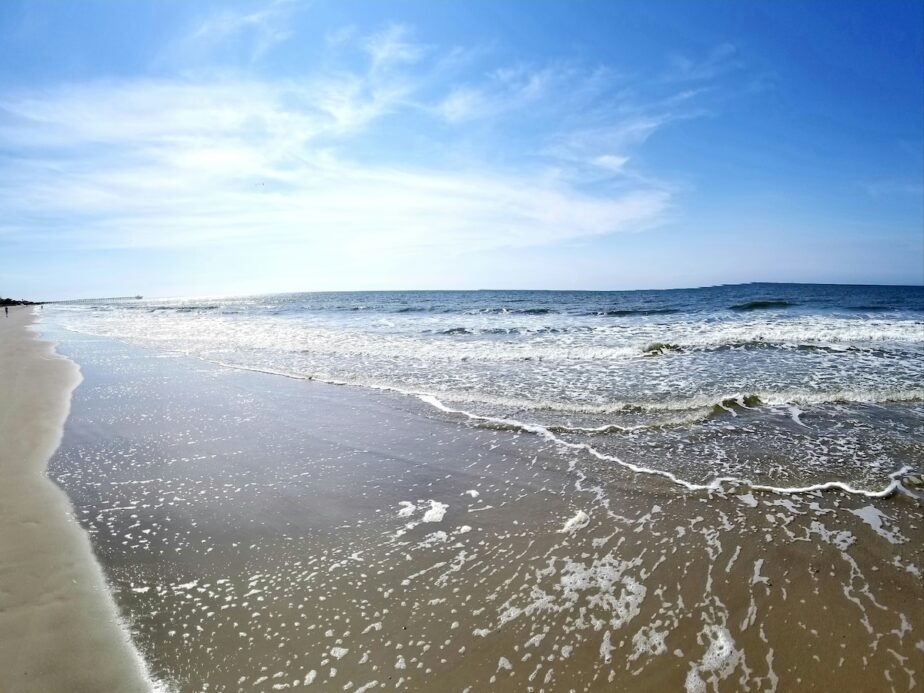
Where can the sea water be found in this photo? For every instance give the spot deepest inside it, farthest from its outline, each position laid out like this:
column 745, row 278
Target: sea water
column 520, row 504
column 777, row 386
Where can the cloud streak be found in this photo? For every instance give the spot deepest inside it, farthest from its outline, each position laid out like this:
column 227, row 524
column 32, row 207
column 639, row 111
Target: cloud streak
column 256, row 31
column 721, row 59
column 180, row 162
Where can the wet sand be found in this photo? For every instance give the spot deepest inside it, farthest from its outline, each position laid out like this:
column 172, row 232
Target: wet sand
column 59, row 627
column 263, row 533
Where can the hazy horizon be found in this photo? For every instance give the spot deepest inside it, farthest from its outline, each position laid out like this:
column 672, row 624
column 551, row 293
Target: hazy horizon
column 239, row 148
column 179, row 297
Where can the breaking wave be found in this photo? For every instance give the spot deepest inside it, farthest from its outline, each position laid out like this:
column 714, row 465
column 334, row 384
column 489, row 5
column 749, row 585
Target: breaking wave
column 761, row 305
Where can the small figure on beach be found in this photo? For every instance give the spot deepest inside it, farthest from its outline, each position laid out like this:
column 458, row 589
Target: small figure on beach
column 6, row 310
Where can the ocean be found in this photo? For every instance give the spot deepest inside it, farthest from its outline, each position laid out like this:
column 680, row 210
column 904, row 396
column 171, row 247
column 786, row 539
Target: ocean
column 774, row 386
column 707, row 489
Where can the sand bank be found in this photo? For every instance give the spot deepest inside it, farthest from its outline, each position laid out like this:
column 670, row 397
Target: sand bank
column 59, row 628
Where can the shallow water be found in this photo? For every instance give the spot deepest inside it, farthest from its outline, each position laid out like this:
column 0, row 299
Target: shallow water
column 786, row 386
column 266, row 533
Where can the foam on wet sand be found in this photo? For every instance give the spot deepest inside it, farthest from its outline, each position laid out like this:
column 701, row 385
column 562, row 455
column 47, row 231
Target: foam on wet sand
column 267, row 533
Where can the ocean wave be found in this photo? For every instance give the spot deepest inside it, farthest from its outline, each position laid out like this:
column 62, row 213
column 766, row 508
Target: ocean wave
column 719, row 483
column 495, row 331
column 875, row 309
column 632, row 312
column 190, row 309
column 704, row 406
column 683, row 415
column 562, row 343
column 762, row 305
column 832, row 348
column 509, row 311
column 716, row 484
column 479, row 406
column 660, row 348
column 173, row 309
column 831, row 335
column 152, row 308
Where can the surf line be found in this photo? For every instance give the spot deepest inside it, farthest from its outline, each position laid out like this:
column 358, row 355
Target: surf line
column 542, row 431
column 714, row 485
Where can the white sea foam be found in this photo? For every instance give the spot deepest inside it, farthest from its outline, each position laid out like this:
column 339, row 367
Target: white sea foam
column 859, row 396
column 596, row 341
column 564, row 366
column 436, row 512
column 473, row 386
column 714, row 485
column 578, row 522
column 877, row 520
column 718, row 662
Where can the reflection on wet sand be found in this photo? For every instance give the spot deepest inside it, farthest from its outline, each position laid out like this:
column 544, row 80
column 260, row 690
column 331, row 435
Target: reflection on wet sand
column 263, row 533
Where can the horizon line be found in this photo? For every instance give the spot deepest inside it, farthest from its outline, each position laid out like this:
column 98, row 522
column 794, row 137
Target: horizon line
column 482, row 290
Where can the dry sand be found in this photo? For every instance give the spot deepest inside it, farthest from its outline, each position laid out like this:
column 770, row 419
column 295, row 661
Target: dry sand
column 59, row 628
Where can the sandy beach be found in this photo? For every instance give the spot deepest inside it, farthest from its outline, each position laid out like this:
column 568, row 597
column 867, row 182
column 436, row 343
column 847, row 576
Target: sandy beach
column 268, row 533
column 494, row 347
column 59, row 627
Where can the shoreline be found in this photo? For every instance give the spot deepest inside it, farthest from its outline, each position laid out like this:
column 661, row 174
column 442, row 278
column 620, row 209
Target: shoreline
column 259, row 533
column 894, row 485
column 60, row 629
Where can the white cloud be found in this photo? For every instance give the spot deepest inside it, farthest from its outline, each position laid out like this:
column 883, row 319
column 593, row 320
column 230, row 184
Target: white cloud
column 392, row 47
column 258, row 30
column 611, row 162
column 463, row 103
column 172, row 163
column 189, row 164
column 510, row 89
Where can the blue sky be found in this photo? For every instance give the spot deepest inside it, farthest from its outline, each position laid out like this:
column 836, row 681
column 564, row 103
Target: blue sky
column 179, row 148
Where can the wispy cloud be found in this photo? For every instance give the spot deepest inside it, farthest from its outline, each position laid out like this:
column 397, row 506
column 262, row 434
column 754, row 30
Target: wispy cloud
column 392, row 47
column 184, row 162
column 199, row 164
column 719, row 60
column 340, row 36
column 508, row 89
column 255, row 30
